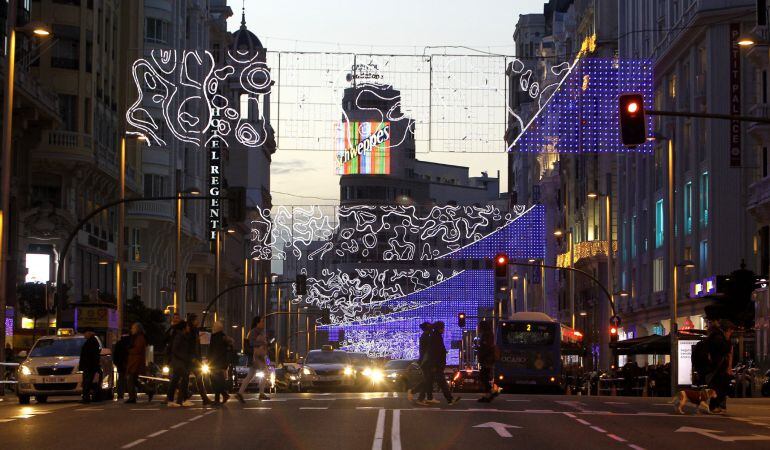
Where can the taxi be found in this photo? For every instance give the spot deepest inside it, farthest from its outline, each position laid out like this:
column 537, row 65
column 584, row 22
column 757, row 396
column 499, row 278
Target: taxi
column 327, row 368
column 51, row 369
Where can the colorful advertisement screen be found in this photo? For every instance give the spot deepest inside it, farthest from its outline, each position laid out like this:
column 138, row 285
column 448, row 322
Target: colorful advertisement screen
column 363, row 148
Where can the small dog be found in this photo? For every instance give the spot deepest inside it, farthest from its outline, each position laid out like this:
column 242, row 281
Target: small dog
column 700, row 398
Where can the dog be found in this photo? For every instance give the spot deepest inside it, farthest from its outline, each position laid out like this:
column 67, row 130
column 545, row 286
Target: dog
column 700, row 398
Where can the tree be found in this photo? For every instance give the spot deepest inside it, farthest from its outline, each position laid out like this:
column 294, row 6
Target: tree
column 153, row 320
column 33, row 302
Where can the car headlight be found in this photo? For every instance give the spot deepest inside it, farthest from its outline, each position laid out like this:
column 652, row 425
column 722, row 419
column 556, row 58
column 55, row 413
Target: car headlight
column 205, row 368
column 367, row 372
column 392, row 375
column 293, row 377
column 166, row 370
column 306, row 371
column 260, row 374
column 348, row 371
column 26, row 371
column 376, row 375
column 272, row 378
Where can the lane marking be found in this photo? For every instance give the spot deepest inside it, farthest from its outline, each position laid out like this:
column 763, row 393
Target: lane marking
column 145, row 409
column 636, row 447
column 518, row 400
column 195, row 418
column 313, row 407
column 538, row 411
column 259, row 408
column 615, row 403
column 379, row 432
column 180, row 424
column 600, row 430
column 584, row 422
column 136, row 442
column 6, row 420
column 395, row 432
column 157, row 433
column 570, row 415
column 368, row 407
column 616, row 437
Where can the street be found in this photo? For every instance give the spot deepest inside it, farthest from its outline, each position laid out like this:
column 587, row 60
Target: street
column 385, row 421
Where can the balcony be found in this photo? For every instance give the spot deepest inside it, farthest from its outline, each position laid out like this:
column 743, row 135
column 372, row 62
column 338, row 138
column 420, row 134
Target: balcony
column 586, row 250
column 759, row 131
column 163, row 210
column 759, row 200
column 68, row 145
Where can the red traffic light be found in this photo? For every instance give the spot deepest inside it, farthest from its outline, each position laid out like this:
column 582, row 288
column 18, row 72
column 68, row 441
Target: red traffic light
column 632, row 107
column 633, row 125
column 501, row 259
column 613, row 330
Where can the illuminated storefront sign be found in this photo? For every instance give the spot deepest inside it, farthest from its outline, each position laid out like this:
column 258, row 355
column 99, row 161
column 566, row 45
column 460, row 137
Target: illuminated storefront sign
column 215, row 178
column 363, row 148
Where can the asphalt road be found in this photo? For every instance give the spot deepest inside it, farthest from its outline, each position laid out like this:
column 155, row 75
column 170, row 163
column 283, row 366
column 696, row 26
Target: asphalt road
column 385, row 421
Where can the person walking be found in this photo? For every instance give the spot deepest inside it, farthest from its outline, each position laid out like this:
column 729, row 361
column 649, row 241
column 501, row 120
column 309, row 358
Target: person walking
column 487, row 356
column 197, row 360
column 136, row 363
column 436, row 362
column 218, row 357
column 90, row 366
column 120, row 358
column 257, row 344
column 425, row 386
column 182, row 349
column 721, row 357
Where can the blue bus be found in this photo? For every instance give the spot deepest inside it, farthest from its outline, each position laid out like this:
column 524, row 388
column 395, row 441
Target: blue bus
column 530, row 351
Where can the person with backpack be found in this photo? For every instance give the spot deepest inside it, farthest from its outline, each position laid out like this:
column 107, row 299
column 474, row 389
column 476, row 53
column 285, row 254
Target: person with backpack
column 487, row 354
column 257, row 347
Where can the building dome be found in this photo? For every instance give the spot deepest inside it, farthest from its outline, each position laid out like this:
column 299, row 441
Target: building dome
column 245, row 40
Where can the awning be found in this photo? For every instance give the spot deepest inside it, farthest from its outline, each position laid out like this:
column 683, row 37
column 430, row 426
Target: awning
column 653, row 345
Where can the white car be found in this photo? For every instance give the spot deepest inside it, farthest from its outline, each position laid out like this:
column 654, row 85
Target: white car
column 327, row 368
column 51, row 369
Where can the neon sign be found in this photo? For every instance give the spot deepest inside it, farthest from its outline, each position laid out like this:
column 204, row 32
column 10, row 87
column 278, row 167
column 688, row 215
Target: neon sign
column 364, row 148
column 215, row 178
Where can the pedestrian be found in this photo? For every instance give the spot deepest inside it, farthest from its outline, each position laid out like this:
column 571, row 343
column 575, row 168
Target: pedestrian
column 197, row 360
column 436, row 363
column 257, row 347
column 721, row 357
column 181, row 362
column 136, row 363
column 425, row 386
column 168, row 338
column 119, row 358
column 487, row 356
column 90, row 366
column 218, row 358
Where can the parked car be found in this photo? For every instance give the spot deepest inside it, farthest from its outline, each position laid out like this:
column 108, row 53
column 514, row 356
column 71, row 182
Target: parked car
column 51, row 369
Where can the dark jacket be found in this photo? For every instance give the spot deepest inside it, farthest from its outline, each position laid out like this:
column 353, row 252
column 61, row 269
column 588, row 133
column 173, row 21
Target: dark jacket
column 90, row 359
column 182, row 349
column 486, row 350
column 120, row 353
column 719, row 349
column 424, row 342
column 436, row 351
column 168, row 339
column 219, row 349
column 137, row 363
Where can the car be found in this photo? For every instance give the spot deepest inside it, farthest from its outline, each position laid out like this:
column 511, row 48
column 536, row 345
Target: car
column 241, row 369
column 369, row 375
column 402, row 374
column 51, row 369
column 466, row 380
column 327, row 368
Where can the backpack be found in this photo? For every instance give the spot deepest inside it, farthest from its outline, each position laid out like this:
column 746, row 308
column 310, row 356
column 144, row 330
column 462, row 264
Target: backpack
column 701, row 359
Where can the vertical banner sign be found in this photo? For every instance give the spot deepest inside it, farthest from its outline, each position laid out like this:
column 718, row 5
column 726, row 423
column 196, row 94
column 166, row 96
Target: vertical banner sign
column 215, row 179
column 735, row 95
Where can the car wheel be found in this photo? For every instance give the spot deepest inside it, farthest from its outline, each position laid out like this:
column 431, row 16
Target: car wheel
column 24, row 399
column 41, row 398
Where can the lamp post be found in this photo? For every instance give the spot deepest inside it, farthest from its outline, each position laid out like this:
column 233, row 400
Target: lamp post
column 178, row 250
column 570, row 246
column 7, row 152
column 608, row 232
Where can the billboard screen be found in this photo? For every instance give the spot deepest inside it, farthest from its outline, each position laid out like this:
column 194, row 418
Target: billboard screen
column 363, row 148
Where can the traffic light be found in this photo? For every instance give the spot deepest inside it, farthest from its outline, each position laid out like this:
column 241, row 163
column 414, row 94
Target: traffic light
column 301, row 282
column 613, row 334
column 501, row 265
column 633, row 125
column 236, row 205
column 461, row 320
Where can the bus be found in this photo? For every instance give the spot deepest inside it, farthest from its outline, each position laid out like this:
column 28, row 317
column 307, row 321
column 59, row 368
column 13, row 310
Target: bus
column 533, row 351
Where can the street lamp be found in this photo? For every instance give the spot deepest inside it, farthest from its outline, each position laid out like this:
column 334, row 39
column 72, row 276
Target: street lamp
column 558, row 233
column 178, row 249
column 7, row 155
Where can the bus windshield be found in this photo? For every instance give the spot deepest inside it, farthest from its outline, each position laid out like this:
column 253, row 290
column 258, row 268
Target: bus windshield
column 523, row 333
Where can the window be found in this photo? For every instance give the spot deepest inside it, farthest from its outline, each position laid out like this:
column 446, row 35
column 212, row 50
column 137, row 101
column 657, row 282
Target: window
column 68, row 110
column 66, row 50
column 704, row 199
column 703, row 257
column 688, row 207
column 155, row 185
column 659, row 234
column 191, row 292
column 657, row 275
column 633, row 237
column 156, row 31
column 134, row 245
column 136, row 284
column 244, row 106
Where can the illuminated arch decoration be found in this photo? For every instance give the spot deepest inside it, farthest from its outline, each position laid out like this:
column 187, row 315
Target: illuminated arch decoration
column 178, row 94
column 582, row 116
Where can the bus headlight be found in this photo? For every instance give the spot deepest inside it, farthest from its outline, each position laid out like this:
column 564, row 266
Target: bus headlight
column 348, row 371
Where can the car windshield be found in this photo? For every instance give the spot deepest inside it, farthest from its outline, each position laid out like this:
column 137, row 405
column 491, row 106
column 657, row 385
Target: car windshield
column 359, row 359
column 398, row 364
column 57, row 347
column 327, row 358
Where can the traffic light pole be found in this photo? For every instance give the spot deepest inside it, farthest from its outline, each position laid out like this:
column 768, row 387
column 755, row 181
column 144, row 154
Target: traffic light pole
column 234, row 287
column 655, row 112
